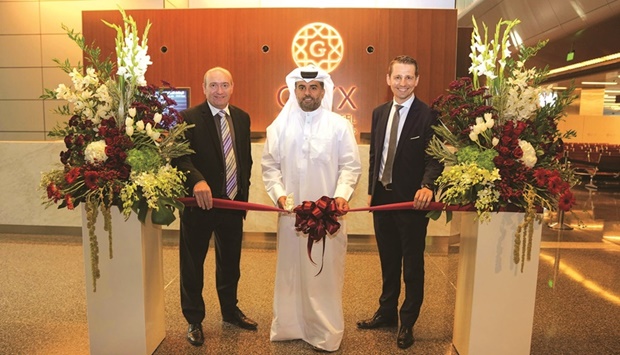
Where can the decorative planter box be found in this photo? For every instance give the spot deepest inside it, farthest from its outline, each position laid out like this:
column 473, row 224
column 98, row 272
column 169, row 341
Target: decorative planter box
column 494, row 299
column 126, row 313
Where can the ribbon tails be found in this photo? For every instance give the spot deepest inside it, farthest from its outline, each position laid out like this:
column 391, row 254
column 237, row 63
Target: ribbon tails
column 316, row 219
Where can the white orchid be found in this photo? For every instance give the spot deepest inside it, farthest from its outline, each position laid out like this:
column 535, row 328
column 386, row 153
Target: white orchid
column 529, row 154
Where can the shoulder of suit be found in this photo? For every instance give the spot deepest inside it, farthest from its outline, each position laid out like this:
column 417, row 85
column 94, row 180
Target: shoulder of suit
column 419, row 104
column 195, row 110
column 237, row 110
column 383, row 106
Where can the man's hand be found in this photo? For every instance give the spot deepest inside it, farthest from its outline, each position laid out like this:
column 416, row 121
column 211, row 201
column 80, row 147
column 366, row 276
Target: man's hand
column 342, row 205
column 282, row 202
column 202, row 193
column 422, row 198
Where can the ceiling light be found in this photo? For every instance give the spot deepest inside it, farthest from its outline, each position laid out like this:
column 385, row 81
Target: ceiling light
column 558, row 88
column 586, row 63
column 598, row 82
column 612, row 91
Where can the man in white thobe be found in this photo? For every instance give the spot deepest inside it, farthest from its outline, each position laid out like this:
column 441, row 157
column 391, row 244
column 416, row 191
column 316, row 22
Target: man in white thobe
column 310, row 152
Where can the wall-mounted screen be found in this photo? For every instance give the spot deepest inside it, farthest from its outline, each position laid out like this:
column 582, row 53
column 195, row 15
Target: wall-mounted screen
column 180, row 95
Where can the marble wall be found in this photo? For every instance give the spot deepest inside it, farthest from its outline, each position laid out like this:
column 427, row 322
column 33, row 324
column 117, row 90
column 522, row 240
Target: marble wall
column 20, row 196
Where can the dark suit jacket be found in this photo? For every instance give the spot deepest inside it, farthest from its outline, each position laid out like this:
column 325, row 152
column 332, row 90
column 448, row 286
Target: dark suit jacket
column 207, row 163
column 412, row 166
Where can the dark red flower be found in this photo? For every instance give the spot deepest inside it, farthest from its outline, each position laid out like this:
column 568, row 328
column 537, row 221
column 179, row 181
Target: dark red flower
column 517, row 153
column 69, row 140
column 541, row 177
column 72, row 175
column 90, row 179
column 554, row 184
column 69, row 201
column 506, row 140
column 53, row 192
column 567, row 200
column 79, row 141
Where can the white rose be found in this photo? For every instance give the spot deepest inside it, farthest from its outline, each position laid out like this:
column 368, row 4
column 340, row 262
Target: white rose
column 132, row 112
column 157, row 117
column 495, row 141
column 129, row 130
column 140, row 126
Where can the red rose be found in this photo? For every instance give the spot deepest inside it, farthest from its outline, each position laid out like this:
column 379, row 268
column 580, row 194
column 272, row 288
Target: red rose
column 517, row 153
column 505, row 140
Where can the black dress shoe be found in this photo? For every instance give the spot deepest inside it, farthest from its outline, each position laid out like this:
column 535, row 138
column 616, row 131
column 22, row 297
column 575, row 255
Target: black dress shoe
column 240, row 320
column 377, row 321
column 405, row 337
column 194, row 334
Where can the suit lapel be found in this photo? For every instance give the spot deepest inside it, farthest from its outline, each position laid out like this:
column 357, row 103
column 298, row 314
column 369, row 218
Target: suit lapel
column 408, row 127
column 212, row 131
column 381, row 130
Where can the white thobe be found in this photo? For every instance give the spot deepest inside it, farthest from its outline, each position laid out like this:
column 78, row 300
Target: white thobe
column 310, row 155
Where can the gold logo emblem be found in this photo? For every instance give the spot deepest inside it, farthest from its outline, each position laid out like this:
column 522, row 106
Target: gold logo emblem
column 318, row 44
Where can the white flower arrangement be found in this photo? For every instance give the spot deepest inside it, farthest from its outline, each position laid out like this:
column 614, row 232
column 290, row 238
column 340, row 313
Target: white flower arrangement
column 120, row 139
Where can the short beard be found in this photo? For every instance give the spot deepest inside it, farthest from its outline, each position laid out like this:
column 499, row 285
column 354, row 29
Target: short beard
column 309, row 107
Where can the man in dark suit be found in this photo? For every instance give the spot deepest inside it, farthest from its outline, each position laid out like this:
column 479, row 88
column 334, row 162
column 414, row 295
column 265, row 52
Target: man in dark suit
column 401, row 171
column 220, row 168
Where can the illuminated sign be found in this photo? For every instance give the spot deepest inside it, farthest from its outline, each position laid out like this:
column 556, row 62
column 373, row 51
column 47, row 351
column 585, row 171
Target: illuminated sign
column 318, row 44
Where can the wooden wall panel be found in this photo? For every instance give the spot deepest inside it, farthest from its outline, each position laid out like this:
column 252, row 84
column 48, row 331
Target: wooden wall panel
column 198, row 39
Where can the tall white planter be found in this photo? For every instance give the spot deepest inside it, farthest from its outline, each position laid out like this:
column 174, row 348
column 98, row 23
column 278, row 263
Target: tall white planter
column 126, row 312
column 494, row 299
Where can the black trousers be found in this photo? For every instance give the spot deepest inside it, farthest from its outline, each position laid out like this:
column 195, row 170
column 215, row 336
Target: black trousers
column 401, row 240
column 197, row 227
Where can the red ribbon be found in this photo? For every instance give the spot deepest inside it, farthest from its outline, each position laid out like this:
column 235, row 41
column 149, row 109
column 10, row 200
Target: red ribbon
column 231, row 205
column 432, row 206
column 316, row 219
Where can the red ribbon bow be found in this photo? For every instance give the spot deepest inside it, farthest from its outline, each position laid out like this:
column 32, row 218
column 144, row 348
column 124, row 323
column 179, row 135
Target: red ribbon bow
column 316, row 219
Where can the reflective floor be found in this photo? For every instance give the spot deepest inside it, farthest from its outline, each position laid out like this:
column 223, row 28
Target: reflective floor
column 43, row 310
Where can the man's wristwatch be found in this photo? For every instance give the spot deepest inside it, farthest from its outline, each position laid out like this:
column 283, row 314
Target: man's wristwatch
column 428, row 186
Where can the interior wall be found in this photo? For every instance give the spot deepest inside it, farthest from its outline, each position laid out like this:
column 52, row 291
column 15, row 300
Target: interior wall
column 355, row 44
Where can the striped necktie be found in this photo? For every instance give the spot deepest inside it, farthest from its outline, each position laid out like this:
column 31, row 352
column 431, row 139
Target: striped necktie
column 229, row 157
